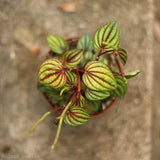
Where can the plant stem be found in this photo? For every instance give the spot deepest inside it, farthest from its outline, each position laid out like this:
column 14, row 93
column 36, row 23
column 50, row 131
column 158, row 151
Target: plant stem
column 61, row 120
column 121, row 68
column 38, row 122
column 60, row 125
column 117, row 73
column 102, row 53
column 73, row 69
column 79, row 70
column 79, row 82
column 97, row 58
column 69, row 98
column 56, row 109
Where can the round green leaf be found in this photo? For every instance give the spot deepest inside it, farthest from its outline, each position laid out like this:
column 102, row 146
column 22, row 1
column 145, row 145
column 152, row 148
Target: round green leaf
column 96, row 95
column 79, row 102
column 121, row 87
column 76, row 116
column 72, row 58
column 85, row 43
column 57, row 44
column 51, row 73
column 71, row 78
column 98, row 76
column 121, row 56
column 107, row 37
column 71, row 82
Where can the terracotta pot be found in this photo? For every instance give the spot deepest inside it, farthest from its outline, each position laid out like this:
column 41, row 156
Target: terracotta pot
column 50, row 104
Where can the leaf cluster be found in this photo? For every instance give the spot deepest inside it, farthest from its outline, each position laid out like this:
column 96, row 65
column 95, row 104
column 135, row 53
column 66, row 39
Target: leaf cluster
column 77, row 80
column 84, row 70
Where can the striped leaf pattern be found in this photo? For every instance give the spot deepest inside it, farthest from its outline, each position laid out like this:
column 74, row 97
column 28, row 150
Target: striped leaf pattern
column 51, row 73
column 107, row 37
column 57, row 44
column 121, row 87
column 72, row 58
column 85, row 43
column 79, row 102
column 98, row 76
column 96, row 95
column 76, row 116
column 71, row 78
column 122, row 56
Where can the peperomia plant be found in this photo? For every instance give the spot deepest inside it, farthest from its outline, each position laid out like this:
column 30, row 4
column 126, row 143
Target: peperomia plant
column 80, row 78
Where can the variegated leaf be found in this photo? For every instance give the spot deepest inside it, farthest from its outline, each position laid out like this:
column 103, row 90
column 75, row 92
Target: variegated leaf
column 76, row 116
column 107, row 37
column 121, row 87
column 98, row 76
column 121, row 56
column 96, row 95
column 71, row 78
column 85, row 43
column 57, row 44
column 72, row 81
column 79, row 102
column 51, row 73
column 72, row 58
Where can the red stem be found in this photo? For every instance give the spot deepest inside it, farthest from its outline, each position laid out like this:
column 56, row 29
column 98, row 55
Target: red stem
column 73, row 69
column 116, row 73
column 50, row 105
column 120, row 67
column 69, row 98
column 56, row 109
column 79, row 82
column 73, row 95
column 77, row 70
column 121, row 74
column 102, row 53
column 97, row 58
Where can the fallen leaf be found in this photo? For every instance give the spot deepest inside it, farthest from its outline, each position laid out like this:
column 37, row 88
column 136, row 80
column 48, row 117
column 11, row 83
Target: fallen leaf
column 25, row 37
column 68, row 7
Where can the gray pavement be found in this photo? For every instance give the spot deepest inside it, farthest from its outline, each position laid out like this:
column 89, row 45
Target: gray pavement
column 125, row 132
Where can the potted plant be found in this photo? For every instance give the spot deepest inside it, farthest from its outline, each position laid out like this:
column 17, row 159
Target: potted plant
column 82, row 78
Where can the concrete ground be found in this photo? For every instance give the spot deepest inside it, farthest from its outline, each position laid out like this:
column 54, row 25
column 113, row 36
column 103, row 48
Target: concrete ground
column 156, row 86
column 129, row 131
